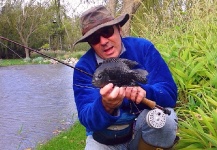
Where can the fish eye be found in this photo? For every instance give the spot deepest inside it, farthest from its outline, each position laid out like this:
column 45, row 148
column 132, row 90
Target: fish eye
column 99, row 76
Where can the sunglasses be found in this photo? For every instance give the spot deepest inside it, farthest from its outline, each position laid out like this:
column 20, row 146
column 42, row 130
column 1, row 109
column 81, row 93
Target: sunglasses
column 105, row 32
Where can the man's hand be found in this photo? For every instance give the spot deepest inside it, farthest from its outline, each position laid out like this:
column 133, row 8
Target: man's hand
column 136, row 94
column 112, row 97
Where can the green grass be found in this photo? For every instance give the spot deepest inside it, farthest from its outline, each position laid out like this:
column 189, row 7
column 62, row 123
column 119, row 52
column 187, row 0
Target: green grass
column 10, row 62
column 37, row 59
column 72, row 139
column 186, row 40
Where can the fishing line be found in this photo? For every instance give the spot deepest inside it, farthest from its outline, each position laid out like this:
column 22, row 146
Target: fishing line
column 85, row 86
column 34, row 50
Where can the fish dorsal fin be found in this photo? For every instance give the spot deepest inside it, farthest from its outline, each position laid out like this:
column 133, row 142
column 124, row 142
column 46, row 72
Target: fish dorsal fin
column 129, row 63
column 108, row 60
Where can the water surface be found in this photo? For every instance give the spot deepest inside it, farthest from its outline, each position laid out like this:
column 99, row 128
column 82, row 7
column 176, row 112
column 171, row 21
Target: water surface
column 36, row 102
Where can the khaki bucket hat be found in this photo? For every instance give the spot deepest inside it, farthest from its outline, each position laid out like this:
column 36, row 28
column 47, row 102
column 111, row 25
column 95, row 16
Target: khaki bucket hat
column 96, row 18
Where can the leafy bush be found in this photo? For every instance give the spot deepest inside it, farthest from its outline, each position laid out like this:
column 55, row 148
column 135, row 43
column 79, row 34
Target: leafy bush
column 45, row 46
column 38, row 60
column 27, row 59
column 187, row 41
column 81, row 47
column 77, row 54
column 50, row 53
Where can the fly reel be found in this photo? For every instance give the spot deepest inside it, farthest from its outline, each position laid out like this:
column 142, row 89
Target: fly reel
column 156, row 118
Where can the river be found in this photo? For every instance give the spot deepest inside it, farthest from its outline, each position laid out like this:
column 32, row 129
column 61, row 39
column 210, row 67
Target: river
column 36, row 103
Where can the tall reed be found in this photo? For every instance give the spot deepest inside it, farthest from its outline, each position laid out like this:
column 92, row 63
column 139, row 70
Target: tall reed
column 187, row 39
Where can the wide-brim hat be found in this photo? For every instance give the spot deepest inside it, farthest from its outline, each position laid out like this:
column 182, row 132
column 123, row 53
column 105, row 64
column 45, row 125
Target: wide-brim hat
column 96, row 18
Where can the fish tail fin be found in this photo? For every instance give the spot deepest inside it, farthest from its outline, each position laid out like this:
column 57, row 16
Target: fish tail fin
column 141, row 75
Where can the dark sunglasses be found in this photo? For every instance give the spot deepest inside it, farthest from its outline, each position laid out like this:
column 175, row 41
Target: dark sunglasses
column 105, row 32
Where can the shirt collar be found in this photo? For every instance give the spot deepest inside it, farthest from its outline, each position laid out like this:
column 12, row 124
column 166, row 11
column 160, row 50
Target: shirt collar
column 100, row 60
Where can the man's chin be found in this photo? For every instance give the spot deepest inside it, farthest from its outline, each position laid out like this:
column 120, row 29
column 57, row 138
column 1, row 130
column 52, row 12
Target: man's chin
column 112, row 55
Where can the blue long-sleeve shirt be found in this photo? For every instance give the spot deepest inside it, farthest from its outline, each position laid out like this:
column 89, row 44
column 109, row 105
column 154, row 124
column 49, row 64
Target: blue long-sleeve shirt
column 160, row 87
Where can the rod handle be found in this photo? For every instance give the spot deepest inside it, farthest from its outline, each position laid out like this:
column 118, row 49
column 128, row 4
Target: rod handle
column 153, row 105
column 149, row 103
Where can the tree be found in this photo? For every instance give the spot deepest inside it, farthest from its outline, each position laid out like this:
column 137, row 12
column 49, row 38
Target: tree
column 123, row 7
column 56, row 38
column 28, row 22
column 7, row 30
column 27, row 18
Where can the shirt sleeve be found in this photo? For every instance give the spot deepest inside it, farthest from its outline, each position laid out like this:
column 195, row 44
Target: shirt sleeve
column 161, row 87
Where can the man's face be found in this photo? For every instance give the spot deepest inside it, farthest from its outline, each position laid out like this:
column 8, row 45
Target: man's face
column 106, row 42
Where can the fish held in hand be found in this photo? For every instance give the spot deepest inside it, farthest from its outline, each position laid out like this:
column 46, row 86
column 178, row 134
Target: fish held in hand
column 120, row 72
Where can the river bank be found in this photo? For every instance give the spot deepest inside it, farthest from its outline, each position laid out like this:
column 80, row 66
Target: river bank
column 71, row 139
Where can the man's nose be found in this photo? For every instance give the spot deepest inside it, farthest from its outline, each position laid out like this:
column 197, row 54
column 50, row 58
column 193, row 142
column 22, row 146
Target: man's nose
column 103, row 40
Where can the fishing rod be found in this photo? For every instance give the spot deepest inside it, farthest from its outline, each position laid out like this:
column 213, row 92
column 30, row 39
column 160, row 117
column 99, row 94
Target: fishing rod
column 34, row 50
column 146, row 101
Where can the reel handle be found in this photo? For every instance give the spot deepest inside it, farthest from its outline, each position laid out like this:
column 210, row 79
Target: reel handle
column 153, row 105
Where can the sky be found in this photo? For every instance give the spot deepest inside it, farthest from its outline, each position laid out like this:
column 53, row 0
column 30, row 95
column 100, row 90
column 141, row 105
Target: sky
column 79, row 6
column 75, row 6
column 72, row 6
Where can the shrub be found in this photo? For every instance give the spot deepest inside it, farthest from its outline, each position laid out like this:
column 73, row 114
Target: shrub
column 187, row 41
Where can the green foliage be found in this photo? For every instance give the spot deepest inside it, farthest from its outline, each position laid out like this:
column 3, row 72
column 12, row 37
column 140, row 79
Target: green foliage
column 38, row 60
column 72, row 139
column 49, row 53
column 187, row 41
column 78, row 54
column 26, row 61
column 81, row 47
column 9, row 62
column 45, row 46
column 198, row 129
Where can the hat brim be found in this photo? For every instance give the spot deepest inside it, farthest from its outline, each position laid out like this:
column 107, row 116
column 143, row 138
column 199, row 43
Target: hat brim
column 119, row 20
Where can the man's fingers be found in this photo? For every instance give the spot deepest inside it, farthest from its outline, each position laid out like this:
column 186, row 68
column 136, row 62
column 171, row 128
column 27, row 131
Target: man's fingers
column 141, row 94
column 106, row 89
column 135, row 94
column 128, row 92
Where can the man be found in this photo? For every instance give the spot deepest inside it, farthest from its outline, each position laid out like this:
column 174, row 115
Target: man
column 100, row 109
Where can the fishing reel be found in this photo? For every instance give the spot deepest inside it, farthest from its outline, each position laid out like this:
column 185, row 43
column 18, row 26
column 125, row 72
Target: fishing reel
column 156, row 118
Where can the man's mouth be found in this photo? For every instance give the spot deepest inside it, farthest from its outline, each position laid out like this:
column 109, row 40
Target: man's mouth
column 108, row 50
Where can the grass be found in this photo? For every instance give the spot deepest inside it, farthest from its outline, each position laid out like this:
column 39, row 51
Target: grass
column 10, row 62
column 37, row 59
column 72, row 139
column 186, row 40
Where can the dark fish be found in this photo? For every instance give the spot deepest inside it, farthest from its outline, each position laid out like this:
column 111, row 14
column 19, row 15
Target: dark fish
column 120, row 72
